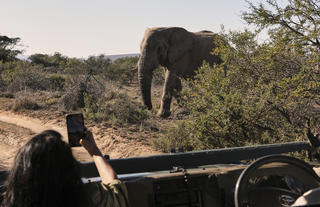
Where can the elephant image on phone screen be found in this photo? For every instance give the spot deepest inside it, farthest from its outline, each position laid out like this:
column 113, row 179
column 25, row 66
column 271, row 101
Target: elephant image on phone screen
column 180, row 52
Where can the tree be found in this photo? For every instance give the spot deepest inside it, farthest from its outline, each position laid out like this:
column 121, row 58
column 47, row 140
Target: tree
column 56, row 60
column 7, row 51
column 98, row 64
column 271, row 92
column 297, row 26
column 39, row 59
column 299, row 20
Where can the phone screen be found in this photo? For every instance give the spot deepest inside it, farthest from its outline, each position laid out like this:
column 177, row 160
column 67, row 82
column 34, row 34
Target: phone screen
column 75, row 127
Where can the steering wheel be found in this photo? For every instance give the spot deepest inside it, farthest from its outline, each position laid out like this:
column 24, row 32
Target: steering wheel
column 297, row 170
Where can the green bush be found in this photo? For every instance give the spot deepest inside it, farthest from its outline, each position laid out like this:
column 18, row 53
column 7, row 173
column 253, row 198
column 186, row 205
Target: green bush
column 158, row 76
column 21, row 75
column 269, row 94
column 76, row 87
column 176, row 138
column 55, row 82
column 57, row 60
column 114, row 106
column 122, row 70
column 3, row 85
column 98, row 65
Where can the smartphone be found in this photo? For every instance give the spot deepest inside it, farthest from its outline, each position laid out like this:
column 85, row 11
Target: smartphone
column 75, row 127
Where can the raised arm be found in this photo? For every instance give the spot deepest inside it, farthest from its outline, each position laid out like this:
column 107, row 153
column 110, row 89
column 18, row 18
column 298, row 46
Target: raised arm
column 105, row 170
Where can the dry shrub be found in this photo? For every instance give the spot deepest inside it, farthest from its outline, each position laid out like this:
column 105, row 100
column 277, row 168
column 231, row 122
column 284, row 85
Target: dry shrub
column 6, row 95
column 26, row 77
column 24, row 103
column 47, row 98
column 71, row 101
column 115, row 107
column 55, row 82
column 176, row 138
column 75, row 90
column 158, row 76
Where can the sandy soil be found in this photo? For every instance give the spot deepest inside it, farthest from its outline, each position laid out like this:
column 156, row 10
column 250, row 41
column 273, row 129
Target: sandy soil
column 16, row 129
column 11, row 138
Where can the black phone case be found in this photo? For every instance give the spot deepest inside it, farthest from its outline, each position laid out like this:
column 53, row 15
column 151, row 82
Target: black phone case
column 75, row 128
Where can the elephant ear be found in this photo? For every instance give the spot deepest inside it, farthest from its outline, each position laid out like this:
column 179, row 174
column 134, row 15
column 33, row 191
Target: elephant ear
column 180, row 43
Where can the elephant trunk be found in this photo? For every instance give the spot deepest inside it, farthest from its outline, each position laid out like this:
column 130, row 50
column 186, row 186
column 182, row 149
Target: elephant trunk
column 145, row 79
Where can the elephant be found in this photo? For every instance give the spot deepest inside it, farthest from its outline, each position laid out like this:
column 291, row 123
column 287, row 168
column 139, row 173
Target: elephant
column 180, row 52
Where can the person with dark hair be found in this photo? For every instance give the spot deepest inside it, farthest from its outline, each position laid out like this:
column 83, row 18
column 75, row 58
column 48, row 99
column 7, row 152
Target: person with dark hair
column 45, row 174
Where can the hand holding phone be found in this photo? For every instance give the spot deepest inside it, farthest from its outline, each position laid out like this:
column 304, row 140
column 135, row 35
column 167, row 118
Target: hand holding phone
column 76, row 129
column 89, row 144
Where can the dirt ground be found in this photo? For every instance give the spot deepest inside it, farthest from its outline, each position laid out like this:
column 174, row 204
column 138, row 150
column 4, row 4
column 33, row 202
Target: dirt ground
column 116, row 141
column 11, row 138
column 16, row 129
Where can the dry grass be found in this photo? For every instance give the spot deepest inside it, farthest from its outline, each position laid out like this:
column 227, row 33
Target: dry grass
column 24, row 103
column 6, row 95
column 121, row 102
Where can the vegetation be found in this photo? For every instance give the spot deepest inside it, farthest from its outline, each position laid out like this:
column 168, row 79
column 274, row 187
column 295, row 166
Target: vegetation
column 116, row 107
column 263, row 92
column 297, row 21
column 7, row 48
column 24, row 103
column 56, row 60
column 83, row 85
column 270, row 92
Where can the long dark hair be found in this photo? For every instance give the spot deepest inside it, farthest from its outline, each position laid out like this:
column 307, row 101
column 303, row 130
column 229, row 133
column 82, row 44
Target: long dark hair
column 45, row 173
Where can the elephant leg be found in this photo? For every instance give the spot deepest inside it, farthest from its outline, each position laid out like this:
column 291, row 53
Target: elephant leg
column 172, row 87
column 176, row 90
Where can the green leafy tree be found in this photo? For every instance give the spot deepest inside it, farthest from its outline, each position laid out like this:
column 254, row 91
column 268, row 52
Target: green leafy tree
column 270, row 92
column 122, row 70
column 56, row 60
column 75, row 66
column 7, row 48
column 296, row 27
column 298, row 20
column 98, row 64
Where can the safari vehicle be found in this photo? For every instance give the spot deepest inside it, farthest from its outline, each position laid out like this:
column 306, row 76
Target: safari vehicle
column 242, row 176
column 219, row 177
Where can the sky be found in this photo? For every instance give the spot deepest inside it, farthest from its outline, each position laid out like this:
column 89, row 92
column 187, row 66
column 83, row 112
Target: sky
column 81, row 28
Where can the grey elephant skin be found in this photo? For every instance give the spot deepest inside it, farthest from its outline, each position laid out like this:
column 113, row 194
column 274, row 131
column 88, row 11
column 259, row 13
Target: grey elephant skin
column 180, row 52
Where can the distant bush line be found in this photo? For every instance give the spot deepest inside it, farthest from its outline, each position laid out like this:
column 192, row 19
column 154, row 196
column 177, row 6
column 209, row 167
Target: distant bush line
column 83, row 85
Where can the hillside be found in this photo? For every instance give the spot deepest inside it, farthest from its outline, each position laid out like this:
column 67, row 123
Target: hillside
column 115, row 57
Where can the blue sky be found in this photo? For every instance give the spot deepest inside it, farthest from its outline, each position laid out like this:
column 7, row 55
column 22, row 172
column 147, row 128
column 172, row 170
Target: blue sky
column 79, row 28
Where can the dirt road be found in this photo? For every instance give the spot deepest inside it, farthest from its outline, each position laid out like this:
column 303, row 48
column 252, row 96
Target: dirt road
column 15, row 130
column 11, row 138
